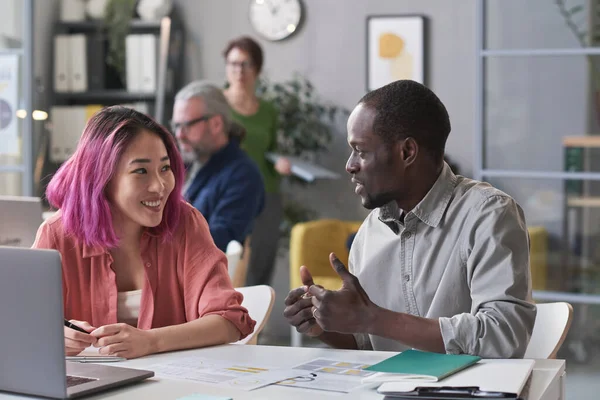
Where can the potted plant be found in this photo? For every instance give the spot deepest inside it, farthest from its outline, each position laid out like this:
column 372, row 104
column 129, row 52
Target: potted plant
column 117, row 18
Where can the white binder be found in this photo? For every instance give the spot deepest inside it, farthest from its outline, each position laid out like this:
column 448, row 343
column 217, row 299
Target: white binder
column 78, row 62
column 61, row 63
column 148, row 60
column 72, row 10
column 133, row 63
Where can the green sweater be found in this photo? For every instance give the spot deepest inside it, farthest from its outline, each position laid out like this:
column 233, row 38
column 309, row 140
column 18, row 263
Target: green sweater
column 261, row 138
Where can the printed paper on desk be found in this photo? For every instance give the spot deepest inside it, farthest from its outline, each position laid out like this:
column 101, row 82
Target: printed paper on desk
column 328, row 375
column 221, row 373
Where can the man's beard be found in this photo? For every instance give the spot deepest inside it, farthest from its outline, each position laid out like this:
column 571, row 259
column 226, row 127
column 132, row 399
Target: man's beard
column 193, row 155
column 188, row 156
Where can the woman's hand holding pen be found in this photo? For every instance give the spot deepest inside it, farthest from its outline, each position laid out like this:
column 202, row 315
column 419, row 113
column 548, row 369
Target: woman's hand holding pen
column 123, row 340
column 75, row 341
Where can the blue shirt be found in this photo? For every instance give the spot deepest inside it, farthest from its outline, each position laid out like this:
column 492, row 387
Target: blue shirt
column 229, row 192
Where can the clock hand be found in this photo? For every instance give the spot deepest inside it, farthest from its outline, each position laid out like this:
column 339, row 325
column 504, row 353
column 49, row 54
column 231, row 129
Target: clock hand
column 270, row 7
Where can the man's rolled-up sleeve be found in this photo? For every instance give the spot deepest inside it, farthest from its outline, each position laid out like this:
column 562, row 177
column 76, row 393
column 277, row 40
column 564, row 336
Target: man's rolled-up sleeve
column 496, row 254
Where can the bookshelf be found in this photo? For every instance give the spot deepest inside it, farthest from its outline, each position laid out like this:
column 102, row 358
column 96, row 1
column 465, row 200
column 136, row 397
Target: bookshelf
column 104, row 85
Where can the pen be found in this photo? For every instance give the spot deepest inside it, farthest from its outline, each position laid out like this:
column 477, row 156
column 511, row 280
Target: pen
column 73, row 326
column 95, row 359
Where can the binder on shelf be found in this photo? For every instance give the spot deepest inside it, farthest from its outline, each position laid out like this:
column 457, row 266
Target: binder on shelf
column 78, row 62
column 141, row 62
column 133, row 63
column 72, row 10
column 61, row 63
column 70, row 63
column 148, row 59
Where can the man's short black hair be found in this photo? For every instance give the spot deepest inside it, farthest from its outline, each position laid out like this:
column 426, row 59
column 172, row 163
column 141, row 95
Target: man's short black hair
column 407, row 108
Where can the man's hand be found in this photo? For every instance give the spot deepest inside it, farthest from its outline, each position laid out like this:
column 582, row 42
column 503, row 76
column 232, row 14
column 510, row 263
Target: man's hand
column 348, row 310
column 123, row 340
column 299, row 309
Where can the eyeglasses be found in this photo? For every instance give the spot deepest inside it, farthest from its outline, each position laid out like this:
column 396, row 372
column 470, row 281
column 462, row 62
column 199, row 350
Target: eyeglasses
column 188, row 124
column 241, row 65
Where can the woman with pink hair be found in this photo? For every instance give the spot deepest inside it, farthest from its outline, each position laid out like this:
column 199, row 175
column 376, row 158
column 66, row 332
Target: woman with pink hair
column 141, row 273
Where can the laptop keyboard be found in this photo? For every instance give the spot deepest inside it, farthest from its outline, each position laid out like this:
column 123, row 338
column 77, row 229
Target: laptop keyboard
column 77, row 380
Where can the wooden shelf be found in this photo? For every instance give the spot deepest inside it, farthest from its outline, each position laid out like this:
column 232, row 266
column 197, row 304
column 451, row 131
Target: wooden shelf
column 103, row 96
column 586, row 201
column 590, row 141
column 136, row 25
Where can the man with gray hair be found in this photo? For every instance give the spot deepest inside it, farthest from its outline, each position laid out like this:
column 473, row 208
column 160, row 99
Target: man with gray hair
column 223, row 183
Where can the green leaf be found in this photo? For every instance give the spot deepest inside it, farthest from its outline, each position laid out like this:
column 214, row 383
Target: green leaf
column 576, row 9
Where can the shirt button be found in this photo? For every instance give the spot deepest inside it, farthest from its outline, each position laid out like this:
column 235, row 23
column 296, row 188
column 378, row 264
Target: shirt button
column 148, row 265
column 408, row 235
column 407, row 277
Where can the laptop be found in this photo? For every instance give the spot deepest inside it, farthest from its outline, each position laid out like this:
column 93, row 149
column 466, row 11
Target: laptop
column 21, row 218
column 32, row 346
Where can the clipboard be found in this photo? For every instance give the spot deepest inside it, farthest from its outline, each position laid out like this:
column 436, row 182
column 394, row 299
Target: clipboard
column 303, row 169
column 488, row 379
column 450, row 393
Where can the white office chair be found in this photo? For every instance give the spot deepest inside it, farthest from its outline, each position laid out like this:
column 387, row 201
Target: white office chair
column 234, row 254
column 259, row 302
column 552, row 324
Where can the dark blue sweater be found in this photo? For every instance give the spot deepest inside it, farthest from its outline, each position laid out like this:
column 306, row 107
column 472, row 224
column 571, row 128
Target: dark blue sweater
column 229, row 191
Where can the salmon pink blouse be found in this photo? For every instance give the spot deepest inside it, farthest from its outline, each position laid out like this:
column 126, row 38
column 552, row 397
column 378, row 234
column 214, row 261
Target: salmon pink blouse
column 186, row 277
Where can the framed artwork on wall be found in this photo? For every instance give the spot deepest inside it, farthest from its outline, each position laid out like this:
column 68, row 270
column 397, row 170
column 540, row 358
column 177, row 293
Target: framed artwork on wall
column 395, row 49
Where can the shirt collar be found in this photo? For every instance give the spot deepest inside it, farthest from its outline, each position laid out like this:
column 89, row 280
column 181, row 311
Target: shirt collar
column 431, row 208
column 89, row 251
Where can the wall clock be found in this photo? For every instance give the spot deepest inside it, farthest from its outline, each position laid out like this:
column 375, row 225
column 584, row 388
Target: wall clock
column 275, row 19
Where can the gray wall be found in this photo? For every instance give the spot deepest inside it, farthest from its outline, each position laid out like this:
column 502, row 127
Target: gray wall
column 532, row 102
column 330, row 50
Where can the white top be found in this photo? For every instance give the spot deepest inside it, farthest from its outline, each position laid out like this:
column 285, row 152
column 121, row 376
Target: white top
column 128, row 306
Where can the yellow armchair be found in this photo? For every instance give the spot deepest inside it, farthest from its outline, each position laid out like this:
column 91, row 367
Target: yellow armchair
column 538, row 256
column 311, row 242
column 310, row 245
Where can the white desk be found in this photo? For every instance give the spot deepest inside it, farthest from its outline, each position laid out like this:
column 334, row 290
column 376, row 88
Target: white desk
column 547, row 381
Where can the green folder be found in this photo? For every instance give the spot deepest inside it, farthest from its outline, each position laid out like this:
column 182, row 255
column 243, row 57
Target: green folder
column 420, row 365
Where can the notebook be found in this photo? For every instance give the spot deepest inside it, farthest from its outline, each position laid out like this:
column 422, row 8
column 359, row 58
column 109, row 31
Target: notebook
column 415, row 365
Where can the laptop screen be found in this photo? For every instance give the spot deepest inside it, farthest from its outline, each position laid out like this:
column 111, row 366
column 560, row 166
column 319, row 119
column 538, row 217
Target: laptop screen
column 20, row 219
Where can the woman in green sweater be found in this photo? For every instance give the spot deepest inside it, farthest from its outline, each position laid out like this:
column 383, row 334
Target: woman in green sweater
column 244, row 59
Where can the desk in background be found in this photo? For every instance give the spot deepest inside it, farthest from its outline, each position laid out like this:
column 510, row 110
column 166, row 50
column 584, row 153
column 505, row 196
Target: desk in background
column 547, row 381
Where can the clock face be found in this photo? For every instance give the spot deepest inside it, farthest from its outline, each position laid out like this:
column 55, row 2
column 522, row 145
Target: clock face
column 275, row 19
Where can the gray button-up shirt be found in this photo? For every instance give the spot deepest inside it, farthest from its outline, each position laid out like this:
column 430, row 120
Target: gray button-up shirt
column 462, row 256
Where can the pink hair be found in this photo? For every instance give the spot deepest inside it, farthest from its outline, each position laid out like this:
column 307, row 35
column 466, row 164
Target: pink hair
column 78, row 187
